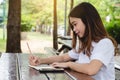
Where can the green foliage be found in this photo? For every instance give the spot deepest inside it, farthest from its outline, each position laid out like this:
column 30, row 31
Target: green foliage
column 26, row 23
column 25, row 27
column 113, row 28
column 40, row 11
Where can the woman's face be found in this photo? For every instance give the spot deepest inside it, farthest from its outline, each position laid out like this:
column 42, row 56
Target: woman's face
column 78, row 26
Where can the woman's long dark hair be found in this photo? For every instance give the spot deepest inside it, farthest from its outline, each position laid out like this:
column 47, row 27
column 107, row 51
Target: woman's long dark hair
column 94, row 30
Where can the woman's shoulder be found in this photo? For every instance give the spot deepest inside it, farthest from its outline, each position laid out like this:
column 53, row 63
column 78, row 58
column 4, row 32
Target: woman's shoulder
column 105, row 40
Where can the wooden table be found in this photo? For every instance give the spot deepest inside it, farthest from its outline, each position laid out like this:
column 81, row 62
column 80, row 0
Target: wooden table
column 8, row 68
column 15, row 67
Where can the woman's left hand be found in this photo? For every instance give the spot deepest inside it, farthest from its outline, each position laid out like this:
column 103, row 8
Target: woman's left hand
column 61, row 65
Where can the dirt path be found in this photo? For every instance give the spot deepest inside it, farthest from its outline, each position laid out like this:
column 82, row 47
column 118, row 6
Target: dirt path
column 36, row 46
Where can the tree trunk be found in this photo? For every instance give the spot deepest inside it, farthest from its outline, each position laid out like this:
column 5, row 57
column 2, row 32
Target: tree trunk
column 55, row 45
column 13, row 27
column 71, row 6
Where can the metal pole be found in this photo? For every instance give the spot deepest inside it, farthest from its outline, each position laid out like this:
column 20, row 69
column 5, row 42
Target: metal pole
column 65, row 17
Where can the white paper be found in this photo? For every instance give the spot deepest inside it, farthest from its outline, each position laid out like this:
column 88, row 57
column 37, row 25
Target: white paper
column 46, row 68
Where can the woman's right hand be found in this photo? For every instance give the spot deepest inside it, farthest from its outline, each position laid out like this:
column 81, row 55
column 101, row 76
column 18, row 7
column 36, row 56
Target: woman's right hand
column 34, row 60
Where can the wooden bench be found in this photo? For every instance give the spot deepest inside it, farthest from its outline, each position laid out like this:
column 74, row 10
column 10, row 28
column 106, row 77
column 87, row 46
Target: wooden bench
column 51, row 50
column 65, row 37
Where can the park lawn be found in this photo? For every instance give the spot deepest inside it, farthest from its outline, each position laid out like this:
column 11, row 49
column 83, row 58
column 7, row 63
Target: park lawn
column 2, row 45
column 2, row 41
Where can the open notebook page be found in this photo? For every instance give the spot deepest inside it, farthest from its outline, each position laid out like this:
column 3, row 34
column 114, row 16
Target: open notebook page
column 47, row 68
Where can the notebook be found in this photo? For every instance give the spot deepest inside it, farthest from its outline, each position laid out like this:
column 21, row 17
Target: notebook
column 47, row 68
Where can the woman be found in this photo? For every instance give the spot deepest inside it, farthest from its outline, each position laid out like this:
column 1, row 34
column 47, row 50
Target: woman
column 95, row 50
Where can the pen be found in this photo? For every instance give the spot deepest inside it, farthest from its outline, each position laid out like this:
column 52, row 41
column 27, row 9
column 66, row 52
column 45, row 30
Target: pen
column 29, row 48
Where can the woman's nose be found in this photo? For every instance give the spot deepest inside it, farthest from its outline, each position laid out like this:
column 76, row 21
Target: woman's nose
column 74, row 29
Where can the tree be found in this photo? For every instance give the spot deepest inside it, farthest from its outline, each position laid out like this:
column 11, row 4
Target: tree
column 13, row 27
column 55, row 45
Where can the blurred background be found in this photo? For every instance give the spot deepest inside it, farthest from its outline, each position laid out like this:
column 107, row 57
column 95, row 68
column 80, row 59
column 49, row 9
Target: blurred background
column 37, row 20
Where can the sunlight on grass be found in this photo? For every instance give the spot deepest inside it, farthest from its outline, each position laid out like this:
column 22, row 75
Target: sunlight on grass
column 1, row 33
column 2, row 42
column 2, row 45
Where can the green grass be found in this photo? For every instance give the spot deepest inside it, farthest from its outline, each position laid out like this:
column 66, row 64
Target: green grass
column 2, row 41
column 2, row 45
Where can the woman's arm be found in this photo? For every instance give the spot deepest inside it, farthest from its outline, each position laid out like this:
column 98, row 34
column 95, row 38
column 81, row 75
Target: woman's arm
column 56, row 58
column 34, row 60
column 88, row 68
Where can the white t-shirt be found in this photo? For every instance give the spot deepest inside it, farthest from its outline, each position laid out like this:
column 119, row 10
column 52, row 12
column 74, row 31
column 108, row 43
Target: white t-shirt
column 103, row 51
